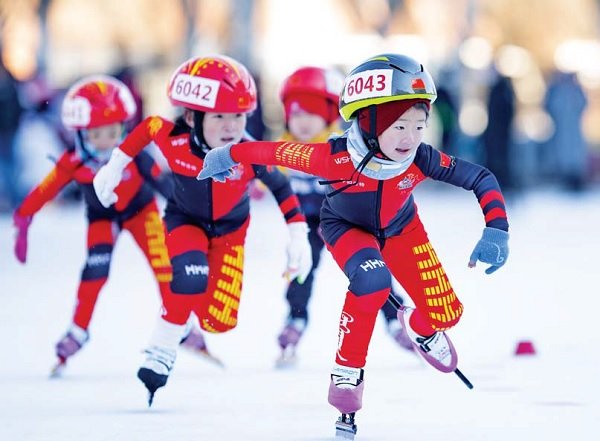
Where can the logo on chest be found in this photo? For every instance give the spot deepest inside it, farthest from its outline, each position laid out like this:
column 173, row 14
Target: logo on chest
column 407, row 182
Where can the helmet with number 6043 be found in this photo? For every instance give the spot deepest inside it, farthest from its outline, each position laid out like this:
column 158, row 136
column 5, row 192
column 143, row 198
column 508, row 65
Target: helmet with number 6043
column 382, row 79
column 95, row 101
column 216, row 84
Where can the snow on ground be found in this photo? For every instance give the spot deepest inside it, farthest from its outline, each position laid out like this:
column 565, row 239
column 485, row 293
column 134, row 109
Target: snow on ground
column 547, row 293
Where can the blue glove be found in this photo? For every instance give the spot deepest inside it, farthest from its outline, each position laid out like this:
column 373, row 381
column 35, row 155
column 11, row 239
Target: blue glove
column 492, row 248
column 217, row 164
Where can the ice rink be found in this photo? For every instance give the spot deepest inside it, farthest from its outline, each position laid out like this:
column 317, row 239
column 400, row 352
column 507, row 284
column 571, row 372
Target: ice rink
column 547, row 293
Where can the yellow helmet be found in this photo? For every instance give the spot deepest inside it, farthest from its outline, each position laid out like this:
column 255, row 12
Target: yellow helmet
column 382, row 79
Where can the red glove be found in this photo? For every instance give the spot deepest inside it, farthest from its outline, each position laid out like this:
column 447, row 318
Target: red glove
column 22, row 223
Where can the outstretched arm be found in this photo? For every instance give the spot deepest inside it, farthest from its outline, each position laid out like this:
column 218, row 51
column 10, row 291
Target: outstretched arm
column 315, row 159
column 109, row 176
column 47, row 190
column 492, row 248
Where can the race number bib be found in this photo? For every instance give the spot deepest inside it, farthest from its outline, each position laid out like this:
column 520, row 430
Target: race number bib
column 370, row 84
column 195, row 90
column 76, row 111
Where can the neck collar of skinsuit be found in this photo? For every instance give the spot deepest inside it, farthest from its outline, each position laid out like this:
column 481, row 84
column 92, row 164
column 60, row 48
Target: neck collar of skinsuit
column 376, row 168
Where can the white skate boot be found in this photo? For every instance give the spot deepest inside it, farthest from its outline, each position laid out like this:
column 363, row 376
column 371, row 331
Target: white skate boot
column 160, row 356
column 156, row 368
column 436, row 349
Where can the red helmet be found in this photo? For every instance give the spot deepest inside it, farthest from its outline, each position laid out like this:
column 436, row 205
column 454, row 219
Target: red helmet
column 309, row 80
column 95, row 101
column 213, row 84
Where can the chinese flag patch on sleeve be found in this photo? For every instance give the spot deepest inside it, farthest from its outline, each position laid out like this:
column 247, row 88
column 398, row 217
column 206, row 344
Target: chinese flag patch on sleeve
column 446, row 161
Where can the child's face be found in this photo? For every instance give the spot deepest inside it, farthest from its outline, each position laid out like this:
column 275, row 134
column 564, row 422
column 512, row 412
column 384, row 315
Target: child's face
column 222, row 128
column 304, row 126
column 403, row 137
column 105, row 137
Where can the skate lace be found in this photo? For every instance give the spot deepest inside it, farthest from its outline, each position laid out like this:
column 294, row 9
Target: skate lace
column 162, row 356
column 435, row 345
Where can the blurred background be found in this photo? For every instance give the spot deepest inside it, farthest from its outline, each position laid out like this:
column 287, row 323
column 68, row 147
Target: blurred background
column 518, row 82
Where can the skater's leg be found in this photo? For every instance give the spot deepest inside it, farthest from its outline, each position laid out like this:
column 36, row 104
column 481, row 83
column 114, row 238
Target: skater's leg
column 358, row 254
column 415, row 264
column 148, row 231
column 217, row 310
column 298, row 295
column 100, row 241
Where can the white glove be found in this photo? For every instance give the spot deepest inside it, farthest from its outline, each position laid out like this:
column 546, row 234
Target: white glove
column 109, row 176
column 299, row 253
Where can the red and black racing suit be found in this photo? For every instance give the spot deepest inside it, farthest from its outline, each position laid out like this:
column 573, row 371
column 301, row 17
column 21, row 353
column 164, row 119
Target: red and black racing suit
column 135, row 211
column 206, row 224
column 373, row 231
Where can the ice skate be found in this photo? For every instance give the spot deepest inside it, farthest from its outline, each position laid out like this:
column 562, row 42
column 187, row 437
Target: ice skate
column 436, row 349
column 345, row 394
column 195, row 343
column 399, row 334
column 155, row 370
column 68, row 346
column 288, row 340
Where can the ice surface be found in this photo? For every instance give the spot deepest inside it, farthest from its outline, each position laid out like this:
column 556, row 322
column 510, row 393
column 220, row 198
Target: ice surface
column 547, row 293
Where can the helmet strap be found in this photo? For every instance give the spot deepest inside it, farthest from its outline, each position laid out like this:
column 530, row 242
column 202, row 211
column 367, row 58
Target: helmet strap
column 197, row 135
column 371, row 137
column 86, row 154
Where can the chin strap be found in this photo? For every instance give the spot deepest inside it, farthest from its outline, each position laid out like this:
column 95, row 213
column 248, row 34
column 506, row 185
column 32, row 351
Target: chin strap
column 196, row 135
column 358, row 170
column 372, row 144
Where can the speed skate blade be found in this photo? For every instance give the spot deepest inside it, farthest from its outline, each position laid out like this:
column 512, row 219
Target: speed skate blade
column 58, row 369
column 207, row 356
column 287, row 360
column 211, row 359
column 345, row 429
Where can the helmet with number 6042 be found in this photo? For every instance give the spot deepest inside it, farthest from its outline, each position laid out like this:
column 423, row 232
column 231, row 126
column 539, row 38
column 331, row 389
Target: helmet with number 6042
column 382, row 79
column 97, row 100
column 216, row 84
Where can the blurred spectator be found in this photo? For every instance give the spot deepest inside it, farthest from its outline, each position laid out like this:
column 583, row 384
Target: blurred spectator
column 448, row 114
column 41, row 137
column 566, row 102
column 498, row 134
column 10, row 115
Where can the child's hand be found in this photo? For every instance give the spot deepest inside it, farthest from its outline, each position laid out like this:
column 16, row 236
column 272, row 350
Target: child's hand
column 109, row 176
column 492, row 248
column 217, row 164
column 299, row 253
column 22, row 224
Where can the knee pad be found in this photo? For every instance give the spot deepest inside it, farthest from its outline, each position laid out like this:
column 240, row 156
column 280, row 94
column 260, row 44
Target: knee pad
column 368, row 273
column 97, row 264
column 190, row 273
